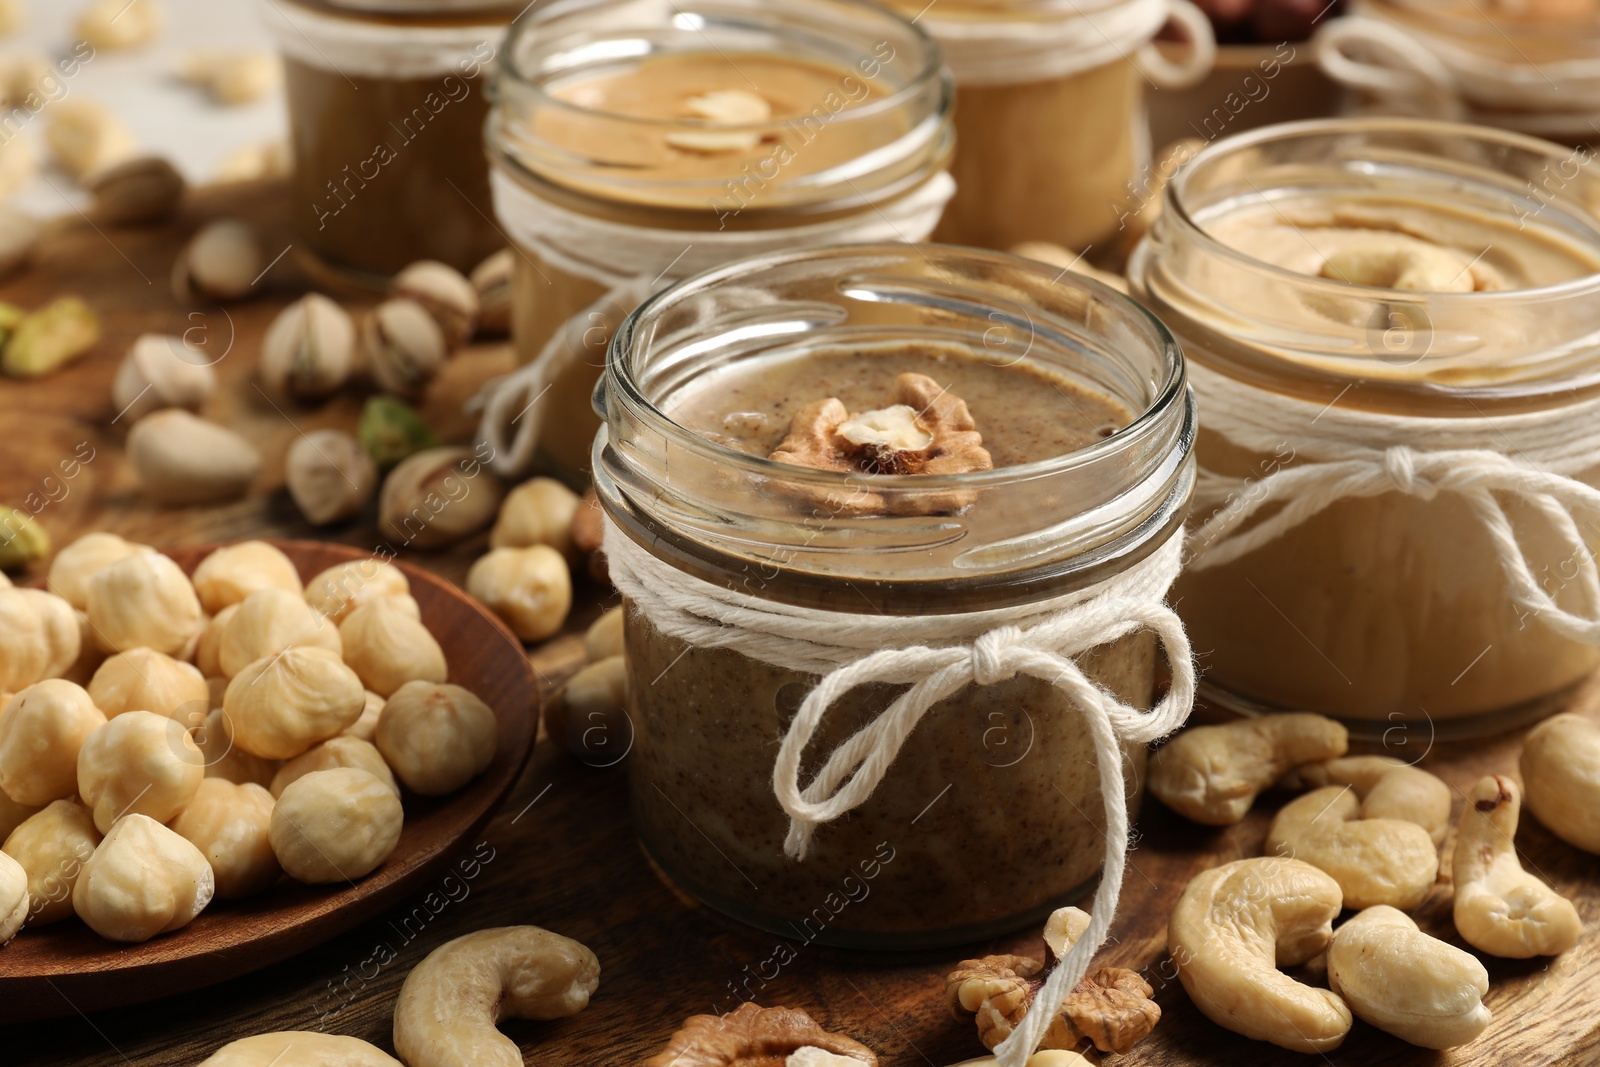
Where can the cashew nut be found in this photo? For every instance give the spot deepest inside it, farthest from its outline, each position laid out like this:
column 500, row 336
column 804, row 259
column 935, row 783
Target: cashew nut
column 1212, row 774
column 1375, row 861
column 299, row 1048
column 1499, row 907
column 1561, row 766
column 1405, row 983
column 1231, row 930
column 1388, row 788
column 451, row 1002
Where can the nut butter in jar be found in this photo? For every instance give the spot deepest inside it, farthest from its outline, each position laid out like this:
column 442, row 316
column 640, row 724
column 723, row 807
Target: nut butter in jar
column 386, row 110
column 777, row 606
column 635, row 143
column 1393, row 329
column 1051, row 142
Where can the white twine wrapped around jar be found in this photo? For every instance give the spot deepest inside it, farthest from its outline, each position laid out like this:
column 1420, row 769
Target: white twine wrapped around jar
column 632, row 262
column 1061, row 42
column 1350, row 454
column 936, row 656
column 368, row 48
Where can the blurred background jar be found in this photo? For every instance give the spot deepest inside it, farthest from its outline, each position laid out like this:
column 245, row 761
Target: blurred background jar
column 1050, row 122
column 635, row 142
column 1527, row 65
column 1391, row 328
column 386, row 104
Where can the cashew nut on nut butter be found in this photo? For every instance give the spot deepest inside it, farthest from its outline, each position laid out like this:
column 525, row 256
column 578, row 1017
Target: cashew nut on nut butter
column 450, row 1003
column 1402, row 981
column 1561, row 768
column 1375, row 861
column 1499, row 907
column 1231, row 930
column 1212, row 774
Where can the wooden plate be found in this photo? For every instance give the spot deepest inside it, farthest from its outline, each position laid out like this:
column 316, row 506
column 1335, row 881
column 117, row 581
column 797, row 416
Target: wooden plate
column 66, row 967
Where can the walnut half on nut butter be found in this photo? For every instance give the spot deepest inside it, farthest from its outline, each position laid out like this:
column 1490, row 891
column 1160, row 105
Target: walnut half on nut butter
column 925, row 429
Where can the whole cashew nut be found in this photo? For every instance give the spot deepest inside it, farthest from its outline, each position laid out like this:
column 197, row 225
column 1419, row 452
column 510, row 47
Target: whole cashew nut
column 1375, row 861
column 1405, row 983
column 1499, row 907
column 1388, row 788
column 1561, row 766
column 1212, row 774
column 299, row 1048
column 1048, row 1058
column 451, row 1001
column 1231, row 930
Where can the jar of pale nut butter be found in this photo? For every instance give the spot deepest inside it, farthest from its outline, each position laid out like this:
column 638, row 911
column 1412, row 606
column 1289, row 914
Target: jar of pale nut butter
column 1051, row 143
column 1393, row 328
column 635, row 142
column 893, row 526
column 1527, row 65
column 386, row 109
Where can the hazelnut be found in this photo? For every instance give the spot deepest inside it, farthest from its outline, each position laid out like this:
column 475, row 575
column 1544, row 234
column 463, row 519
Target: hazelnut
column 183, row 459
column 13, row 897
column 228, row 823
column 43, row 728
column 136, row 192
column 335, row 825
column 221, row 262
column 226, row 760
column 254, row 162
column 342, row 588
column 142, row 679
column 279, row 706
column 142, row 880
column 52, row 847
column 401, row 346
column 537, row 512
column 309, row 350
column 144, row 600
column 161, row 372
column 387, row 647
column 529, row 588
column 604, row 638
column 19, row 232
column 12, row 813
column 75, row 564
column 231, row 573
column 445, row 294
column 437, row 738
column 436, row 498
column 268, row 622
column 46, row 340
column 19, row 162
column 208, row 653
column 589, row 713
column 85, row 138
column 59, row 625
column 25, row 654
column 113, row 25
column 337, row 751
column 492, row 280
column 329, row 475
column 365, row 727
column 138, row 762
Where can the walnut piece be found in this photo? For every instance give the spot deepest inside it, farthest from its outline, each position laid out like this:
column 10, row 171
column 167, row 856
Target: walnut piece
column 923, row 430
column 1111, row 1007
column 752, row 1036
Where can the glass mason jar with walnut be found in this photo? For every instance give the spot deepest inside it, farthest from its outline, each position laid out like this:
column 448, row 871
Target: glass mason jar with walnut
column 1043, row 453
column 1392, row 328
column 386, row 109
column 637, row 143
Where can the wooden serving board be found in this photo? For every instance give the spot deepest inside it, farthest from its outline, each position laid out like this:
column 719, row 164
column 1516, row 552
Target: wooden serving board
column 561, row 852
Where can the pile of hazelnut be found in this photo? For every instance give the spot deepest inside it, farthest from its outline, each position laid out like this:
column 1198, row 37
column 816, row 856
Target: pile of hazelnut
column 165, row 740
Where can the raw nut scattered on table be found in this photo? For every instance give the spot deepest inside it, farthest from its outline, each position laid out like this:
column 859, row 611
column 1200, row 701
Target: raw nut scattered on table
column 1397, row 978
column 142, row 191
column 604, row 638
column 222, row 262
column 1561, row 770
column 589, row 713
column 450, row 1003
column 254, row 162
column 492, row 280
column 161, row 371
column 230, row 574
column 537, row 512
column 232, row 78
column 1232, row 929
column 436, row 737
column 329, row 476
column 85, row 138
column 183, row 459
column 1388, row 788
column 445, row 294
column 1375, row 861
column 1213, row 774
column 387, row 647
column 438, row 497
column 309, row 351
column 335, row 825
column 143, row 880
column 52, row 847
column 44, row 341
column 750, row 1034
column 116, row 25
column 402, row 347
column 1500, row 908
column 529, row 588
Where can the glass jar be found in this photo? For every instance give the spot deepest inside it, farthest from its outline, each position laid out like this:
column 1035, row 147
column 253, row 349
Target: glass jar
column 1050, row 125
column 611, row 184
column 1531, row 67
column 386, row 110
column 990, row 816
column 1388, row 600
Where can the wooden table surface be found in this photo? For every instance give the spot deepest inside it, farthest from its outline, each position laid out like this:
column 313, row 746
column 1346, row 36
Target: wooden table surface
column 561, row 853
